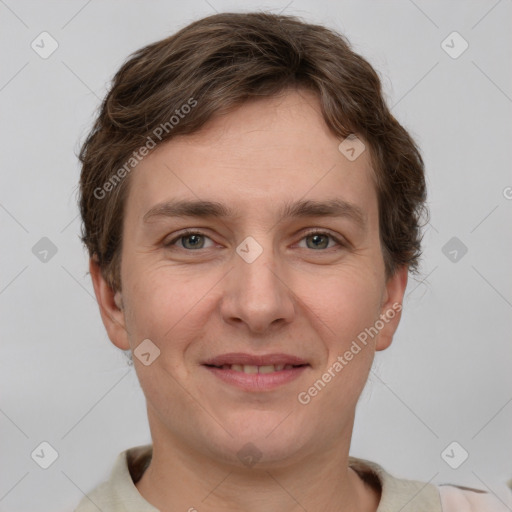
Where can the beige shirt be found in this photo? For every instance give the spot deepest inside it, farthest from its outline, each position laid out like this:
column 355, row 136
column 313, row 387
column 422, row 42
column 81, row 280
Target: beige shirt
column 119, row 494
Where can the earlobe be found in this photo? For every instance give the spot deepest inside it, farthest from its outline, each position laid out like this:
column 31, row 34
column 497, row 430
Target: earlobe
column 111, row 305
column 391, row 310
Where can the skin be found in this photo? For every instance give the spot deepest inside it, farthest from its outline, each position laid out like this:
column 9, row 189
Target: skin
column 295, row 298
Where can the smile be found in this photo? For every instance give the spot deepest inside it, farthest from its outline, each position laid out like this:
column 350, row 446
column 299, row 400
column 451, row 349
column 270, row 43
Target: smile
column 256, row 373
column 249, row 368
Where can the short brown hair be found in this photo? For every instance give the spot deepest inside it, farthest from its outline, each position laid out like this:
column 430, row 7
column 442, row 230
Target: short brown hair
column 215, row 64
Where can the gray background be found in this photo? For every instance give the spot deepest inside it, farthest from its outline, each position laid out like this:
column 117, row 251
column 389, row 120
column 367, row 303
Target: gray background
column 447, row 375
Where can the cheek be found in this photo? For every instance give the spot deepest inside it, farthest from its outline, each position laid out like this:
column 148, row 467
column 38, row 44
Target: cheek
column 166, row 307
column 160, row 309
column 347, row 302
column 348, row 305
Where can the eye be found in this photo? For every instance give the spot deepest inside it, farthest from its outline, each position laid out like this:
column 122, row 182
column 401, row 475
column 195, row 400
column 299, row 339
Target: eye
column 195, row 240
column 189, row 240
column 320, row 240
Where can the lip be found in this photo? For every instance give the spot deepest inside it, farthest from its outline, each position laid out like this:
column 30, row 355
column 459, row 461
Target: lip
column 256, row 382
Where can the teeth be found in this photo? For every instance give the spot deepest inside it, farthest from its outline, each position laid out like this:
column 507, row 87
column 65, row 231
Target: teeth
column 249, row 368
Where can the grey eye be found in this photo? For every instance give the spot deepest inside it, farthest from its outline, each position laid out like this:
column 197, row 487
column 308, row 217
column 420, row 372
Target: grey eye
column 192, row 241
column 319, row 241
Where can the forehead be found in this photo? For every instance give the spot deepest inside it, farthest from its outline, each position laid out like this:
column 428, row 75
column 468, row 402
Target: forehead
column 263, row 154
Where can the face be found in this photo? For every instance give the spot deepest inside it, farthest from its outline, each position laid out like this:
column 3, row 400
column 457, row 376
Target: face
column 280, row 272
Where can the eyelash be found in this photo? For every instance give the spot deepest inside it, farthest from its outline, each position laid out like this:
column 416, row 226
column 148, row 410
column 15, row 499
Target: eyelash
column 189, row 232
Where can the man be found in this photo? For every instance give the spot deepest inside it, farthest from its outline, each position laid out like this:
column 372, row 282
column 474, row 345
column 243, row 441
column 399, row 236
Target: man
column 252, row 210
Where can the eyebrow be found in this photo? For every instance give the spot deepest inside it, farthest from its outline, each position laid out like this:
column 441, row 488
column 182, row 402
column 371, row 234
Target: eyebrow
column 301, row 208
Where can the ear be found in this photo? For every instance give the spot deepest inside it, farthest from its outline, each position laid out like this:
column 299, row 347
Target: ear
column 391, row 309
column 110, row 304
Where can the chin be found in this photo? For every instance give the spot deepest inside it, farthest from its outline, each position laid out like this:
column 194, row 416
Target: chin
column 260, row 443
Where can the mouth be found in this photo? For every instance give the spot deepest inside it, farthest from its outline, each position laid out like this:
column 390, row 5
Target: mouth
column 256, row 373
column 250, row 368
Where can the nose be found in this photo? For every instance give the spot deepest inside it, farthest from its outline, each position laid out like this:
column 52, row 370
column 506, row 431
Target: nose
column 257, row 294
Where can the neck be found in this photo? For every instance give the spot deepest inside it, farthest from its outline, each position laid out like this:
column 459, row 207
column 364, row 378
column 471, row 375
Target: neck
column 180, row 480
